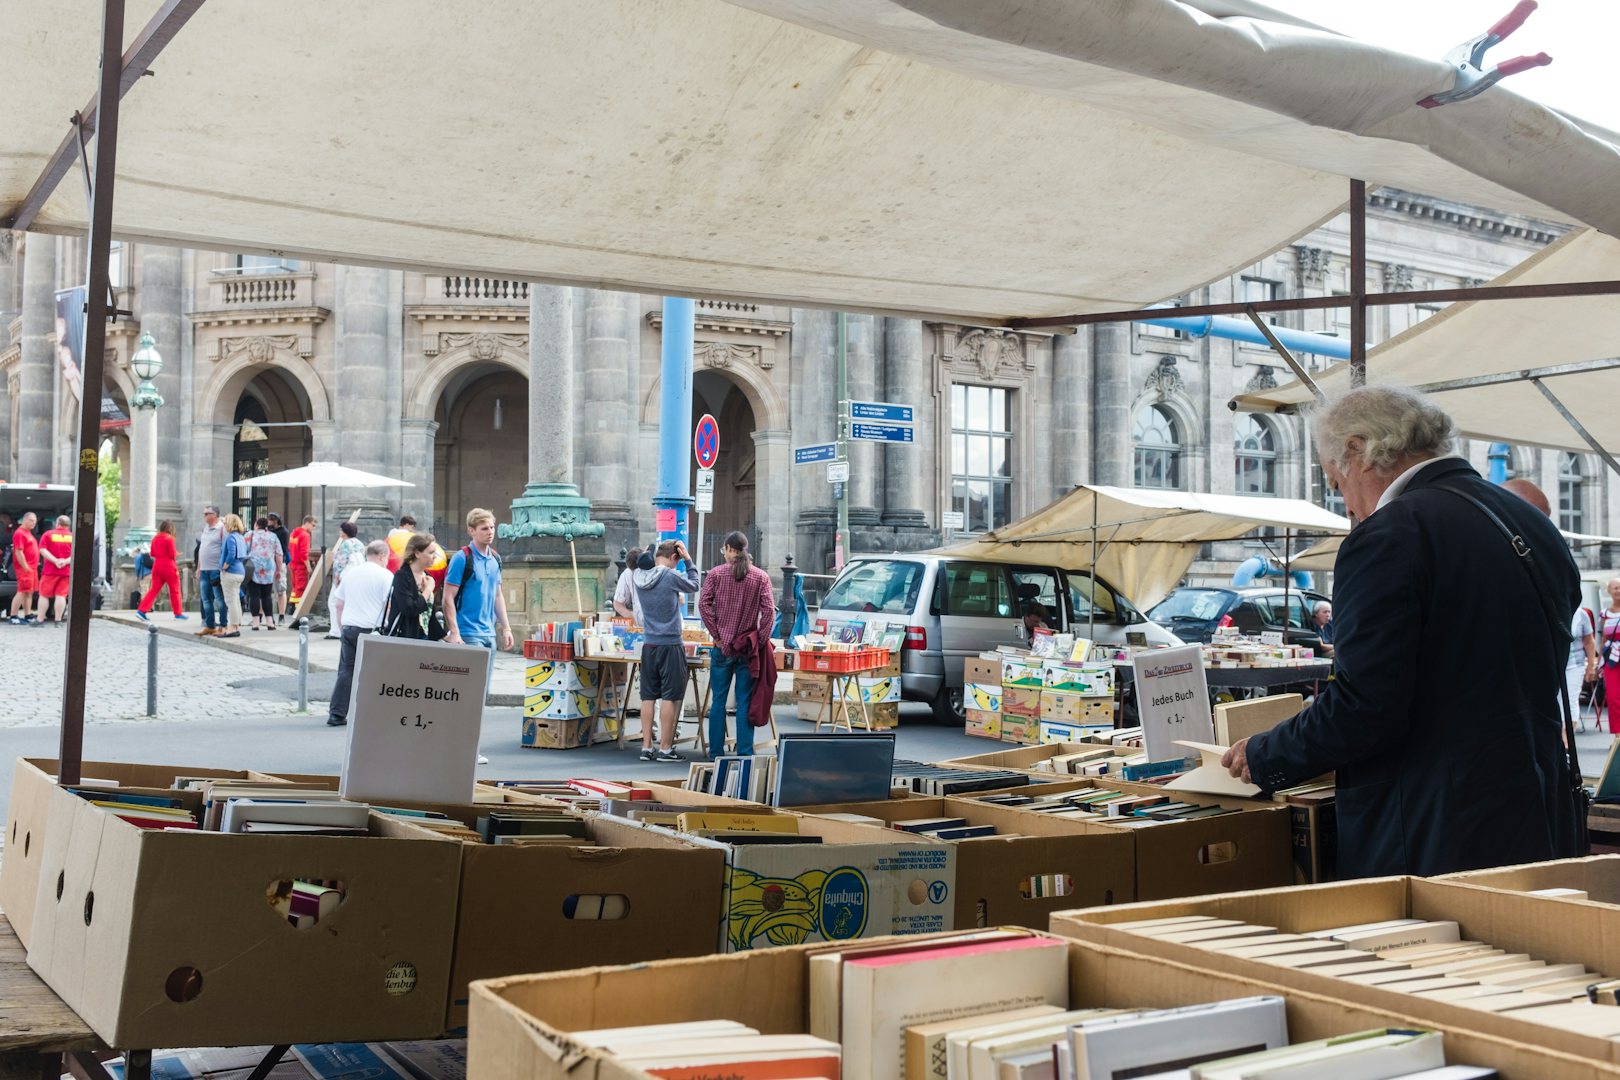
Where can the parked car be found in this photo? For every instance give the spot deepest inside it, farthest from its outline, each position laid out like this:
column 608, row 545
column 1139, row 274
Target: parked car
column 1193, row 613
column 957, row 608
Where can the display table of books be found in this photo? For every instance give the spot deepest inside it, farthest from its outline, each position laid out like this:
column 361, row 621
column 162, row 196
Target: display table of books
column 847, row 671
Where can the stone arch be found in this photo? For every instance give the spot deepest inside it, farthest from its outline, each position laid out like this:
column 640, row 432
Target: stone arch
column 478, row 350
column 770, row 411
column 231, row 377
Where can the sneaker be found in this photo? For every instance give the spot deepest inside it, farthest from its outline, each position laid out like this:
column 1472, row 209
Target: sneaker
column 668, row 755
column 182, row 618
column 648, row 754
column 141, row 615
column 482, row 760
column 336, row 721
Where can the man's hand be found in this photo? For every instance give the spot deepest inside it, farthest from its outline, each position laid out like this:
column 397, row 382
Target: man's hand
column 506, row 638
column 453, row 637
column 1236, row 761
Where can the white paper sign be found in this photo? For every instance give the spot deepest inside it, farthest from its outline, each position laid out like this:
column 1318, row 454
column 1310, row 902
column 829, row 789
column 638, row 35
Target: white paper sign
column 415, row 713
column 953, row 519
column 1271, row 637
column 1172, row 698
column 705, row 501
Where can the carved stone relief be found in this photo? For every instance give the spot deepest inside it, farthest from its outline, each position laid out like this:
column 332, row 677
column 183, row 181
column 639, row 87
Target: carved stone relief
column 1165, row 379
column 262, row 348
column 1265, row 378
column 1313, row 264
column 722, row 354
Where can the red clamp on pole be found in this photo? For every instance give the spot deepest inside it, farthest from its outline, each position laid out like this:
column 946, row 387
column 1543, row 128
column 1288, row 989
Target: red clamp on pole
column 1469, row 58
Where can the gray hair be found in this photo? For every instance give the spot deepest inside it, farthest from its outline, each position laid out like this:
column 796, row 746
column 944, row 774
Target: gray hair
column 377, row 549
column 1320, row 605
column 1393, row 422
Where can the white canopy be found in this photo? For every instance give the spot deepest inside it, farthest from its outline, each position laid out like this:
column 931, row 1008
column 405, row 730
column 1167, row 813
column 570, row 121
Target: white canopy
column 1488, row 338
column 1146, row 539
column 973, row 158
column 1324, row 553
column 321, row 474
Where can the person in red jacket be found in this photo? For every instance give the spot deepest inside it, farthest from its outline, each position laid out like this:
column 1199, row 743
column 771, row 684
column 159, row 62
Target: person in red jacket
column 298, row 550
column 25, row 568
column 165, row 571
column 55, row 570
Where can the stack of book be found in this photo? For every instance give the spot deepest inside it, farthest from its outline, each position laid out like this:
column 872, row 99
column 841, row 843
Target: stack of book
column 305, row 903
column 1116, row 807
column 141, row 811
column 704, row 1049
column 1413, row 956
column 520, row 826
column 750, row 777
column 945, row 780
column 236, row 806
column 945, row 828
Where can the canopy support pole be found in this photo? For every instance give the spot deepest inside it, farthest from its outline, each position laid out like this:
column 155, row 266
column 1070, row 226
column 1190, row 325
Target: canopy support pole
column 1287, row 576
column 1288, row 358
column 1092, row 604
column 1358, row 282
column 70, row 754
column 1580, row 429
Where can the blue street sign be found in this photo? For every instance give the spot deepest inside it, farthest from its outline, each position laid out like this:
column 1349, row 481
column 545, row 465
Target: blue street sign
column 882, row 432
column 806, row 455
column 885, row 411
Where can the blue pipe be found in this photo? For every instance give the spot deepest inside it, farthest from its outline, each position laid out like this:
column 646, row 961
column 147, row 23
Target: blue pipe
column 1499, row 454
column 1225, row 326
column 673, row 500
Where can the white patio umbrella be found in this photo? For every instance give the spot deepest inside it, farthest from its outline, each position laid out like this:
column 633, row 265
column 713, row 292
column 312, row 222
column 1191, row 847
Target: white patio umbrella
column 322, row 474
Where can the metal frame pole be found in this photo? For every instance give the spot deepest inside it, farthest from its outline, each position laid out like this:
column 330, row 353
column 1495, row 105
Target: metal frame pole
column 75, row 667
column 1358, row 282
column 842, row 491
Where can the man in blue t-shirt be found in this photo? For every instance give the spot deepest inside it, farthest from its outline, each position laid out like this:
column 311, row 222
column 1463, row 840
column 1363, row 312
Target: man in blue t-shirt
column 474, row 608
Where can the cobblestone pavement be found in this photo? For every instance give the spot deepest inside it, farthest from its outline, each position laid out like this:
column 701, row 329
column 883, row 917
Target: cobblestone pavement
column 195, row 681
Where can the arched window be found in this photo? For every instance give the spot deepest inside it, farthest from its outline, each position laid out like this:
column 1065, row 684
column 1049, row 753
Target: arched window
column 1571, row 492
column 1158, row 448
column 1256, row 446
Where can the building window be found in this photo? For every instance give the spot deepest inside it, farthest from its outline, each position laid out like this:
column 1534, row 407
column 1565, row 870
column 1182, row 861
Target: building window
column 1421, row 312
column 981, row 456
column 1329, row 499
column 1149, row 330
column 1158, row 448
column 261, row 264
column 1259, row 291
column 117, row 264
column 1571, row 493
column 1256, row 447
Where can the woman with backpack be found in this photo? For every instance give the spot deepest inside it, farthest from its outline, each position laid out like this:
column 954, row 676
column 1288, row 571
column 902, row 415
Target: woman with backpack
column 264, row 564
column 233, row 550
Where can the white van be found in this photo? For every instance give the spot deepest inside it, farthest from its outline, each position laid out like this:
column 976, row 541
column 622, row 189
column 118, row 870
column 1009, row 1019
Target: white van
column 957, row 608
column 48, row 502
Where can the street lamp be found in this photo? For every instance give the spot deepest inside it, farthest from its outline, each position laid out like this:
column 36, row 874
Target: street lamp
column 147, row 364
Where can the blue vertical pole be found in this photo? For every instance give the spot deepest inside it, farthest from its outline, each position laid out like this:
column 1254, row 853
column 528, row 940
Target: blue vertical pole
column 673, row 501
column 1499, row 454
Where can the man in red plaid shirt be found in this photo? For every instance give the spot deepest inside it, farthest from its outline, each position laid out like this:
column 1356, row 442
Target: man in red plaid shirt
column 733, row 601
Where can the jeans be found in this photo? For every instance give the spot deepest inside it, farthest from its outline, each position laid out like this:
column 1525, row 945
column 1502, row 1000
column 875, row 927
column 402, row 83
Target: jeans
column 339, row 707
column 722, row 670
column 486, row 641
column 213, row 599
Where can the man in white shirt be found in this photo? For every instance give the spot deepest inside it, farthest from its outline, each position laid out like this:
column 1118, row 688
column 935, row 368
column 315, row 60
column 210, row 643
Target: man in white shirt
column 357, row 605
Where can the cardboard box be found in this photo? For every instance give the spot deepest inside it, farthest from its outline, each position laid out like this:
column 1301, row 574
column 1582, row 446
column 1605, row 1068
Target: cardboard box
column 1064, row 732
column 1315, row 826
column 998, row 878
column 1069, row 677
column 514, row 909
column 557, row 704
column 1030, row 673
column 1598, row 877
column 875, row 689
column 542, row 733
column 1556, row 931
column 976, row 669
column 33, row 782
column 1022, row 760
column 983, row 697
column 1097, row 710
column 984, row 724
column 522, row 1023
column 158, row 938
column 811, row 687
column 858, row 882
column 1021, row 730
column 1246, row 850
column 580, row 675
column 1021, row 701
column 1237, row 720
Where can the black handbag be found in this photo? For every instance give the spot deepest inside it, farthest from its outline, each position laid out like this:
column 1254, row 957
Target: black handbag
column 1559, row 628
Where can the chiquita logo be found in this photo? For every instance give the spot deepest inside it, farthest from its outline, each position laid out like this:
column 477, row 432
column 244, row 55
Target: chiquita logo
column 843, row 904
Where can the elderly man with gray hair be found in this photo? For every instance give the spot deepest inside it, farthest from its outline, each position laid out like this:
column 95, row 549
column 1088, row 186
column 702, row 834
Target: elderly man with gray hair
column 1440, row 722
column 357, row 605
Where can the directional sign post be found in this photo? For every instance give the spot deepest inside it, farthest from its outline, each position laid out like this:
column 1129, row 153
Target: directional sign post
column 884, row 411
column 894, row 433
column 809, row 455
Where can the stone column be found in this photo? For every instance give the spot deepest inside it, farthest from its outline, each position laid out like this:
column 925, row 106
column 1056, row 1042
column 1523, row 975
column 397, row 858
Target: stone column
column 773, row 459
column 813, row 410
column 607, row 427
column 365, row 427
column 908, row 501
column 551, row 385
column 864, row 481
column 1071, row 412
column 417, row 466
column 36, row 391
column 161, row 316
column 9, row 305
column 1112, row 398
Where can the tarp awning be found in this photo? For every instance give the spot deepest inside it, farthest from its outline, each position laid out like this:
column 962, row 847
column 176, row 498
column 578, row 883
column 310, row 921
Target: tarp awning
column 1324, row 553
column 1487, row 338
column 1146, row 539
column 977, row 159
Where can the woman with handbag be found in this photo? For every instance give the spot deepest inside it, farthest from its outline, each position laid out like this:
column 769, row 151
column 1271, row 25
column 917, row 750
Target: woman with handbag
column 1609, row 648
column 410, row 603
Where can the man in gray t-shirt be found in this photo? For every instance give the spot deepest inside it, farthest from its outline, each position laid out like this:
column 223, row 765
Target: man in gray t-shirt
column 210, row 542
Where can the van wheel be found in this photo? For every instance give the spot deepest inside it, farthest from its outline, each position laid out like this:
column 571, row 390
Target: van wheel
column 948, row 707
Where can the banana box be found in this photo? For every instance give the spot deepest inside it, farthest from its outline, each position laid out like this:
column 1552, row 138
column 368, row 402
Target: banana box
column 1069, row 731
column 1021, row 701
column 1027, row 673
column 858, row 882
column 875, row 690
column 540, row 733
column 984, row 697
column 576, row 675
column 1023, row 730
column 986, row 725
column 1074, row 678
column 1077, row 708
column 558, row 705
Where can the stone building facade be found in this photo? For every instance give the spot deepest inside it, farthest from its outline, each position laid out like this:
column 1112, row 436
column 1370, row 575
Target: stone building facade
column 427, row 377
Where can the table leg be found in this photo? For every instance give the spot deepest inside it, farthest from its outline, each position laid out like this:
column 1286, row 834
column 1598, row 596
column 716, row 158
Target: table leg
column 271, row 1060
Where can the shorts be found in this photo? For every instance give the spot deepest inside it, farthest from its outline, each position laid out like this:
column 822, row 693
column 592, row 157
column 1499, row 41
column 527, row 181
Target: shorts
column 53, row 585
column 26, row 580
column 663, row 673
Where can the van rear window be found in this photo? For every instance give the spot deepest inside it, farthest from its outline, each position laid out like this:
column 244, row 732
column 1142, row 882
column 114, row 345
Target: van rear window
column 888, row 586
